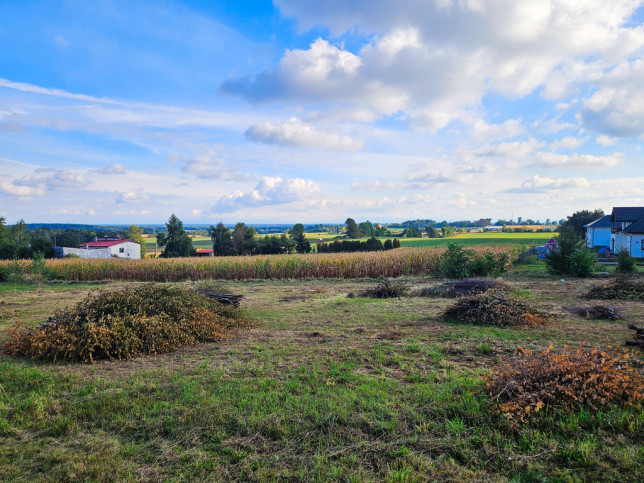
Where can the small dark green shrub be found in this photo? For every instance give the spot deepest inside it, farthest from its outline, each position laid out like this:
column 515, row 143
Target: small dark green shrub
column 149, row 319
column 569, row 258
column 625, row 263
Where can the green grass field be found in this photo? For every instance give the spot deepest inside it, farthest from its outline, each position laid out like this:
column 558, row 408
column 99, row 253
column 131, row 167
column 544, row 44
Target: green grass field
column 324, row 387
column 527, row 239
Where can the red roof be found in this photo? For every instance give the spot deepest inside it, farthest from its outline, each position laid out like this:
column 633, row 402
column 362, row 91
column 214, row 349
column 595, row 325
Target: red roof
column 105, row 243
column 205, row 250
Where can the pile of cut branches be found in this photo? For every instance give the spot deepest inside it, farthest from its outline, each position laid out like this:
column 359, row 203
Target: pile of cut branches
column 622, row 288
column 496, row 308
column 122, row 324
column 565, row 380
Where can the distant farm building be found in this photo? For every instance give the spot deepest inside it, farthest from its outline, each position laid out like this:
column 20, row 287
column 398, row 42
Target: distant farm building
column 205, row 252
column 104, row 247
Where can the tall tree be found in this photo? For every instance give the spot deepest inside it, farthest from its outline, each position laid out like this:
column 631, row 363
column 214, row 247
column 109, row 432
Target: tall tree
column 178, row 242
column 433, row 232
column 580, row 218
column 222, row 241
column 135, row 234
column 353, row 231
column 297, row 229
column 448, row 231
column 302, row 245
column 366, row 227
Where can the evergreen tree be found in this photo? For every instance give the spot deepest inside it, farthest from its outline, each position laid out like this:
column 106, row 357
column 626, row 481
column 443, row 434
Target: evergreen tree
column 580, row 218
column 302, row 245
column 178, row 242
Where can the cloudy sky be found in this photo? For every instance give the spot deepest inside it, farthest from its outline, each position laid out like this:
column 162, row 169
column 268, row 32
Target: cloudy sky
column 113, row 111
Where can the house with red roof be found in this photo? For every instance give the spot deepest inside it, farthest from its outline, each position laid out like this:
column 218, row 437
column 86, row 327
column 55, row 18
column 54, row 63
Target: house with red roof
column 118, row 247
column 103, row 247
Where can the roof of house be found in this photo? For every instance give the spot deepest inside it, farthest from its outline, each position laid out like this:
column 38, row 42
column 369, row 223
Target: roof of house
column 603, row 222
column 106, row 243
column 632, row 213
column 637, row 227
column 205, row 250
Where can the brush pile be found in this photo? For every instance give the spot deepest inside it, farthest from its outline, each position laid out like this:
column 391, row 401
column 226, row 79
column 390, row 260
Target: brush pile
column 496, row 308
column 565, row 380
column 385, row 289
column 597, row 312
column 622, row 288
column 148, row 319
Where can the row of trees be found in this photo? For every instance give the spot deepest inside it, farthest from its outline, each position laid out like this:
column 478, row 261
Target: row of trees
column 370, row 245
column 243, row 240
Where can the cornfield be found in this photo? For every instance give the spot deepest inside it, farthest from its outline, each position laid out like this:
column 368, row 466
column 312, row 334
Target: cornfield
column 393, row 263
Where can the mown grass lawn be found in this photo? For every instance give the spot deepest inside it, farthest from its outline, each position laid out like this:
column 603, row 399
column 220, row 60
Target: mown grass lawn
column 324, row 387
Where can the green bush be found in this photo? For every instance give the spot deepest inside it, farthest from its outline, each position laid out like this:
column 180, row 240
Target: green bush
column 582, row 263
column 625, row 263
column 569, row 258
column 457, row 262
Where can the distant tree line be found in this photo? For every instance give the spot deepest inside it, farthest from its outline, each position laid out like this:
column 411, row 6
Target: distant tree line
column 370, row 245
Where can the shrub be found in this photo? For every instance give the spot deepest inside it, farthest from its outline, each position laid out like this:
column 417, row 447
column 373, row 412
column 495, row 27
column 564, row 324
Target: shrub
column 564, row 381
column 149, row 319
column 621, row 289
column 457, row 262
column 625, row 263
column 568, row 258
column 495, row 308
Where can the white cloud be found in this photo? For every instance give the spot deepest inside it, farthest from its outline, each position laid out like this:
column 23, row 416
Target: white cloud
column 538, row 184
column 432, row 61
column 54, row 179
column 20, row 191
column 426, row 179
column 569, row 142
column 506, row 130
column 296, row 133
column 606, row 140
column 132, row 196
column 269, row 191
column 209, row 165
column 514, row 149
column 371, row 185
column 113, row 168
column 552, row 160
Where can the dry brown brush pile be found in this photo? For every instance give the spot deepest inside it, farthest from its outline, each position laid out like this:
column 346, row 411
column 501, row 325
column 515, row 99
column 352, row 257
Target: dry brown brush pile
column 386, row 289
column 567, row 380
column 148, row 319
column 496, row 308
column 596, row 312
column 622, row 288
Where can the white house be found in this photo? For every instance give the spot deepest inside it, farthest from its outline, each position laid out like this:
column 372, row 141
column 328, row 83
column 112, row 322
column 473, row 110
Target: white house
column 628, row 230
column 118, row 247
column 599, row 232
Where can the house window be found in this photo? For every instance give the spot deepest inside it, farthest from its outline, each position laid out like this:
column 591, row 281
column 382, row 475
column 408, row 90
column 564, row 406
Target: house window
column 121, row 250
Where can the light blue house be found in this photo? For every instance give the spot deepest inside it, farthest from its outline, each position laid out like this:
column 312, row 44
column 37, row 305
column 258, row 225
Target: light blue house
column 598, row 232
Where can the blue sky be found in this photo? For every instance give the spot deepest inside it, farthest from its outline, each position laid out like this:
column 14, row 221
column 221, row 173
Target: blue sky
column 294, row 111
